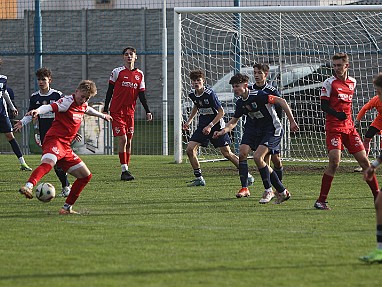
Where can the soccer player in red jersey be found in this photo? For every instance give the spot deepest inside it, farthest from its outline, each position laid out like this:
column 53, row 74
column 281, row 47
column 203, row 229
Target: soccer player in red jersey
column 126, row 84
column 69, row 112
column 376, row 255
column 336, row 101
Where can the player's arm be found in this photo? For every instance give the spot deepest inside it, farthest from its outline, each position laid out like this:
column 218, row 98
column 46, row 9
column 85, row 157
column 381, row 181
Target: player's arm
column 9, row 103
column 284, row 105
column 26, row 119
column 325, row 107
column 206, row 130
column 193, row 112
column 366, row 107
column 109, row 95
column 229, row 127
column 142, row 98
column 92, row 112
column 40, row 111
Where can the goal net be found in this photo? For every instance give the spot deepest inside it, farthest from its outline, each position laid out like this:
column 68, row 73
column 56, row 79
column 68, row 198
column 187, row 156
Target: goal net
column 298, row 44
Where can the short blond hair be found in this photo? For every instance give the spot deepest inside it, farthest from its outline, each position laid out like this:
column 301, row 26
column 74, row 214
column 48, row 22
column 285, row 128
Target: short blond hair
column 88, row 86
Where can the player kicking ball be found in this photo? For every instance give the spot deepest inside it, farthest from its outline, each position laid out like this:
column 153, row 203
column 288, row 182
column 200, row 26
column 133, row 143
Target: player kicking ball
column 262, row 133
column 69, row 112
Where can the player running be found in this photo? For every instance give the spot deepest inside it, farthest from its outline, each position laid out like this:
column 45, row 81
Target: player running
column 262, row 133
column 69, row 112
column 45, row 95
column 211, row 115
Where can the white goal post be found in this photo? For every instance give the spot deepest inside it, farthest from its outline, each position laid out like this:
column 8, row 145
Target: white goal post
column 297, row 42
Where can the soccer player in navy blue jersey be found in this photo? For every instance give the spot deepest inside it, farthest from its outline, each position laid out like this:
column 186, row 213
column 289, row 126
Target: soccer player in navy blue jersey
column 44, row 96
column 260, row 71
column 5, row 123
column 262, row 133
column 211, row 120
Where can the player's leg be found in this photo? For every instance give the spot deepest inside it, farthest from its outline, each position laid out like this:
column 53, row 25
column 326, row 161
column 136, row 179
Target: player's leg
column 363, row 161
column 191, row 150
column 47, row 162
column 244, row 150
column 355, row 147
column 76, row 167
column 277, row 165
column 370, row 133
column 376, row 255
column 334, row 146
column 223, row 143
column 6, row 128
column 63, row 177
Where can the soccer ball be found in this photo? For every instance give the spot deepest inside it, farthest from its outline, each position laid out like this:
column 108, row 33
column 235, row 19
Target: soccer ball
column 45, row 192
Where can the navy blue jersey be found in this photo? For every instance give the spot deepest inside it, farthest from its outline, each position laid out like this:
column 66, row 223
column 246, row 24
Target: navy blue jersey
column 37, row 100
column 208, row 105
column 3, row 88
column 270, row 90
column 260, row 114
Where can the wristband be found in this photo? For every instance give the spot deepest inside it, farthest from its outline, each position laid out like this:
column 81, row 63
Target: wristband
column 375, row 163
column 211, row 124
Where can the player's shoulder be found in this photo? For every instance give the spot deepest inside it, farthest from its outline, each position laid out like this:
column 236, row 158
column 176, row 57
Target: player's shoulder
column 270, row 88
column 137, row 70
column 55, row 92
column 209, row 91
column 3, row 77
column 352, row 79
column 118, row 69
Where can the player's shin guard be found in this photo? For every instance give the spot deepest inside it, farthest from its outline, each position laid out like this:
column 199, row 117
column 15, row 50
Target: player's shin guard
column 276, row 182
column 39, row 172
column 266, row 177
column 122, row 158
column 243, row 173
column 373, row 184
column 76, row 189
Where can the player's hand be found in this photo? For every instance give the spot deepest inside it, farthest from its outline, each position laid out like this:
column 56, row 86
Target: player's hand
column 18, row 126
column 33, row 113
column 78, row 137
column 206, row 130
column 108, row 117
column 341, row 116
column 357, row 124
column 294, row 127
column 218, row 134
column 368, row 173
column 186, row 127
column 149, row 117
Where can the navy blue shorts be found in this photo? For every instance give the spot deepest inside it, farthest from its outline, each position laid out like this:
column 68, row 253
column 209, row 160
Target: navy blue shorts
column 203, row 139
column 266, row 138
column 5, row 124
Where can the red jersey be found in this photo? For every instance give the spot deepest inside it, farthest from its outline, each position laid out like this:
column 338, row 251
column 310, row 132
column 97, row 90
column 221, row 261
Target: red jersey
column 67, row 120
column 340, row 96
column 127, row 84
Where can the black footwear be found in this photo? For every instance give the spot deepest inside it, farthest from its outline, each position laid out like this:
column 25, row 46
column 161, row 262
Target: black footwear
column 126, row 175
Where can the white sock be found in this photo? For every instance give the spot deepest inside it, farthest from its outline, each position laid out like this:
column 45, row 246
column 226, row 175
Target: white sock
column 29, row 185
column 22, row 160
column 124, row 167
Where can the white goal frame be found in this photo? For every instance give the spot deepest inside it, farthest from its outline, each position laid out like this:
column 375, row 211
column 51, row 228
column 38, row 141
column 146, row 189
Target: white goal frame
column 178, row 11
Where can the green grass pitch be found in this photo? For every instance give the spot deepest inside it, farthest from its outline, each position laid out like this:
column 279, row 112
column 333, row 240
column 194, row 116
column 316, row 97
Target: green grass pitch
column 155, row 231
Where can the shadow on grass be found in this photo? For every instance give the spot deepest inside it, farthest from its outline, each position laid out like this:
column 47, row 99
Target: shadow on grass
column 179, row 271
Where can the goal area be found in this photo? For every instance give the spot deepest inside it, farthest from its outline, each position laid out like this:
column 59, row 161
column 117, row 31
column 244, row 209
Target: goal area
column 298, row 43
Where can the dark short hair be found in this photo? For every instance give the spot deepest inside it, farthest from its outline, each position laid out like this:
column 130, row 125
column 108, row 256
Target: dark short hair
column 196, row 74
column 341, row 56
column 262, row 67
column 377, row 81
column 238, row 79
column 129, row 48
column 43, row 72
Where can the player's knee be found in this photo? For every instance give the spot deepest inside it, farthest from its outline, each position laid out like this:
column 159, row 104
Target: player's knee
column 86, row 179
